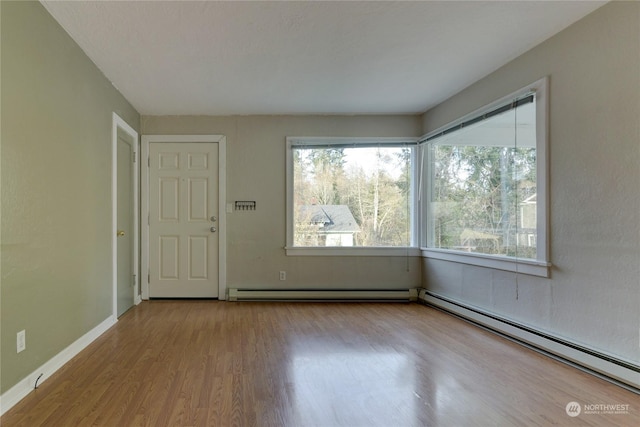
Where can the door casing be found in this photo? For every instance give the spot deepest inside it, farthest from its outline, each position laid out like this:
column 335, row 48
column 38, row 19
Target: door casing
column 119, row 125
column 222, row 197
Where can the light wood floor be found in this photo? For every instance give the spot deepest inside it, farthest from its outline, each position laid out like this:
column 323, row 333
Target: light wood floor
column 208, row 363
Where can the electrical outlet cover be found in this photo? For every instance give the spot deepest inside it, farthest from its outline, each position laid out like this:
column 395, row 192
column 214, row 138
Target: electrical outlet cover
column 21, row 341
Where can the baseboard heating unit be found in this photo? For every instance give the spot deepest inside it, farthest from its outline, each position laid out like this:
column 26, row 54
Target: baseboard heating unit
column 620, row 372
column 402, row 295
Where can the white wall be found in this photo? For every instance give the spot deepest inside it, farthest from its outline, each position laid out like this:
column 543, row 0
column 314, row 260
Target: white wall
column 593, row 295
column 256, row 171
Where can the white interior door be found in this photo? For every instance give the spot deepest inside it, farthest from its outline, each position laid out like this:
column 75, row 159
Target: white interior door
column 125, row 223
column 124, row 203
column 183, row 220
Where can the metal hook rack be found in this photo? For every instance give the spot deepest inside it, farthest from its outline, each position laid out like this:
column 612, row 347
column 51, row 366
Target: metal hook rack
column 244, row 205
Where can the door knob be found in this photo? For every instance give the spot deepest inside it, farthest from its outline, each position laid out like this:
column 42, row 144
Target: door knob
column 120, row 233
column 214, row 219
column 213, row 229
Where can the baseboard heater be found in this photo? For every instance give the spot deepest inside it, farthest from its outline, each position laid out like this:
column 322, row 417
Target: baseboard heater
column 623, row 373
column 402, row 295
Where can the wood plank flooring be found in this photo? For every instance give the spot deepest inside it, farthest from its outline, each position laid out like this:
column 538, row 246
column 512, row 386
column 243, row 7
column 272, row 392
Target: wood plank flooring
column 209, row 363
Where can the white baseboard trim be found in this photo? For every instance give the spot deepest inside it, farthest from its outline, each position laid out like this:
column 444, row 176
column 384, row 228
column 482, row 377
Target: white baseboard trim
column 322, row 295
column 19, row 391
column 623, row 373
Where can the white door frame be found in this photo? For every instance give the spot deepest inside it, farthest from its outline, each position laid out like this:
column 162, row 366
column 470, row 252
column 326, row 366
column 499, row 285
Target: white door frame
column 119, row 124
column 221, row 140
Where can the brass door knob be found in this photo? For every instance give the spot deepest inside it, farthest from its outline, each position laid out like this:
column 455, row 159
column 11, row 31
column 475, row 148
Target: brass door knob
column 120, row 233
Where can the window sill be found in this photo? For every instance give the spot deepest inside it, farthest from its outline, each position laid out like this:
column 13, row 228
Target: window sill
column 352, row 251
column 522, row 266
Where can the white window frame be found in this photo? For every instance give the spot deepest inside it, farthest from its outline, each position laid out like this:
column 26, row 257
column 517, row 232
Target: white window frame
column 291, row 250
column 541, row 265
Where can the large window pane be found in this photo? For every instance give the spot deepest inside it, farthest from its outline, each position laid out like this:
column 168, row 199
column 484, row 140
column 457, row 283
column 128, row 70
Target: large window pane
column 352, row 196
column 483, row 186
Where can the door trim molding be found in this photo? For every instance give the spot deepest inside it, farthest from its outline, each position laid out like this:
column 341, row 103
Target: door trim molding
column 119, row 124
column 221, row 140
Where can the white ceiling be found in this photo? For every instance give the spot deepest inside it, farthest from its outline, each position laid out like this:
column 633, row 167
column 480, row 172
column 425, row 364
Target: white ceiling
column 307, row 57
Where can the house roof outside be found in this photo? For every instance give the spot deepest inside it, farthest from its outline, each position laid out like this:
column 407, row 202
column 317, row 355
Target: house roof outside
column 333, row 218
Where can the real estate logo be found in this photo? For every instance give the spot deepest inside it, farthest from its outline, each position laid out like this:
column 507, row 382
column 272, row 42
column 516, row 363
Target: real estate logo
column 573, row 409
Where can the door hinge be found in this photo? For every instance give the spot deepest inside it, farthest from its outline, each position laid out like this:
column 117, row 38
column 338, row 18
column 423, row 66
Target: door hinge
column 149, row 278
column 134, row 157
column 134, row 280
column 148, row 219
column 149, row 161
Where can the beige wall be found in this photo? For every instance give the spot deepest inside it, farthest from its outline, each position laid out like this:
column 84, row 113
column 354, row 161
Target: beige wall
column 593, row 295
column 56, row 189
column 256, row 171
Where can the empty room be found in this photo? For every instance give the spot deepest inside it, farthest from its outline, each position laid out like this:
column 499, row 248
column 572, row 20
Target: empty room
column 320, row 213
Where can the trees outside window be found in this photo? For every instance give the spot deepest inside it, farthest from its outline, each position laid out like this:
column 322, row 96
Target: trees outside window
column 483, row 185
column 356, row 194
column 478, row 199
column 477, row 195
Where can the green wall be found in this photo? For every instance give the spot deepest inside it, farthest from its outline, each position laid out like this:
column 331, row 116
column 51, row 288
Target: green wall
column 56, row 189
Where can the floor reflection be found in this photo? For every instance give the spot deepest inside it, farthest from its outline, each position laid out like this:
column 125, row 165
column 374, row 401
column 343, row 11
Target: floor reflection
column 353, row 387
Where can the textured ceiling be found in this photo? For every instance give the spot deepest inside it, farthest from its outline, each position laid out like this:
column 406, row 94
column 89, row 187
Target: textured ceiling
column 267, row 57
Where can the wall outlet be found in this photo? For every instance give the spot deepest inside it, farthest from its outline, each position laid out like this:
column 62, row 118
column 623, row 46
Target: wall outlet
column 21, row 341
column 283, row 275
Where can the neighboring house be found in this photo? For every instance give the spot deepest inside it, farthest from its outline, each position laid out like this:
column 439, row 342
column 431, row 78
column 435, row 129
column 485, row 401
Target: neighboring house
column 326, row 225
column 470, row 240
column 528, row 221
